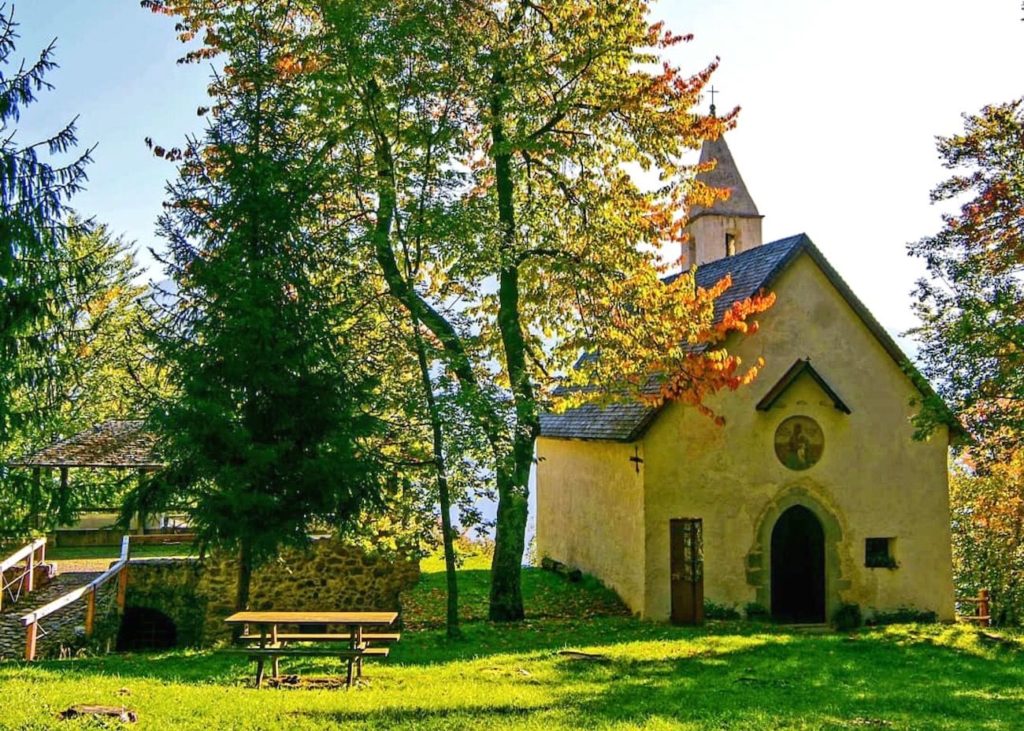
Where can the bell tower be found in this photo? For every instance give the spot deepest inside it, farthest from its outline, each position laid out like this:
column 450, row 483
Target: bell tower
column 728, row 227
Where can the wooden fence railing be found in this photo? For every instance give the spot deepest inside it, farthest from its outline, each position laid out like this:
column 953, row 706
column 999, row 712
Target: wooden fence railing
column 118, row 570
column 982, row 609
column 21, row 583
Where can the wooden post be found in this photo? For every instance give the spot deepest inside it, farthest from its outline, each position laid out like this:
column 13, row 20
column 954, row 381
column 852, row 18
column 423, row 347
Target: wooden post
column 36, row 497
column 65, row 498
column 142, row 510
column 42, row 553
column 983, row 608
column 259, row 660
column 30, row 576
column 90, row 613
column 277, row 661
column 30, row 642
column 122, row 588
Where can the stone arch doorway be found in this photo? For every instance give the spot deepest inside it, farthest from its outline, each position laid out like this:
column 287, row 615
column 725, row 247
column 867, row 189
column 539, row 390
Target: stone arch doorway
column 143, row 628
column 798, row 567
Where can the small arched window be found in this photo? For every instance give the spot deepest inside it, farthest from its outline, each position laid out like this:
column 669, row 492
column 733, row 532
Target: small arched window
column 730, row 244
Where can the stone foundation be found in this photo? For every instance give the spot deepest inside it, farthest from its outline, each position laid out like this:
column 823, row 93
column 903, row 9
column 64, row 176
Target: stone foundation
column 330, row 576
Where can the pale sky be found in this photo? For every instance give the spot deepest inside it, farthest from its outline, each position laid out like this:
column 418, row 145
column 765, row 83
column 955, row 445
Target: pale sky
column 841, row 104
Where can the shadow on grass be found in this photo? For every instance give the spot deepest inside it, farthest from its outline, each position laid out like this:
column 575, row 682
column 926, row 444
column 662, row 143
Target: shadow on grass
column 470, row 716
column 867, row 681
column 417, row 648
column 725, row 671
column 907, row 679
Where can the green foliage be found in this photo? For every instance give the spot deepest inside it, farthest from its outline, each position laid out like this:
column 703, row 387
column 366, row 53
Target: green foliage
column 847, row 617
column 479, row 151
column 54, row 276
column 903, row 615
column 987, row 506
column 270, row 428
column 37, row 273
column 756, row 612
column 720, row 611
column 95, row 371
column 972, row 331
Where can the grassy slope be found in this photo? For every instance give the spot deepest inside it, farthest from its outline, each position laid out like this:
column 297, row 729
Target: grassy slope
column 727, row 676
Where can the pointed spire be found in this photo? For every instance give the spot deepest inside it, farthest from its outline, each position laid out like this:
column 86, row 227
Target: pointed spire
column 728, row 227
column 724, row 175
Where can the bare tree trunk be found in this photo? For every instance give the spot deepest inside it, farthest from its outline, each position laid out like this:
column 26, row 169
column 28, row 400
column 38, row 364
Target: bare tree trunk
column 514, row 473
column 444, row 495
column 512, row 479
column 244, row 582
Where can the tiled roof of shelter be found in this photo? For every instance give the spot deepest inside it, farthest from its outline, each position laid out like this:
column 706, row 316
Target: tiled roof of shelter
column 112, row 444
column 752, row 271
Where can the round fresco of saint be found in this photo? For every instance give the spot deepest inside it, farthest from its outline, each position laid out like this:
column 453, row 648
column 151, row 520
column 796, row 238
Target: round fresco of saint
column 799, row 442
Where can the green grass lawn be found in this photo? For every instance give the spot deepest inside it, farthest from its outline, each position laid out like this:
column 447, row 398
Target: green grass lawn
column 139, row 550
column 99, row 558
column 723, row 676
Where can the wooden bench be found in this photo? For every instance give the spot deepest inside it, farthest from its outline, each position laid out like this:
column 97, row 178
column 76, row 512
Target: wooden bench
column 284, row 651
column 344, row 637
column 275, row 645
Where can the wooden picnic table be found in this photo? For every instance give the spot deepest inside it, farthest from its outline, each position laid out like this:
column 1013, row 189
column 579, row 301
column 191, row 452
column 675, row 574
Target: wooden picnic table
column 356, row 640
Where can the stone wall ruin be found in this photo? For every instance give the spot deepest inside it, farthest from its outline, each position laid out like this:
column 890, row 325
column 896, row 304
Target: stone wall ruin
column 330, row 576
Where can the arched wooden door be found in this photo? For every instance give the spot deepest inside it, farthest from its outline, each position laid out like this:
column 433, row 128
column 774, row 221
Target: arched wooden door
column 798, row 567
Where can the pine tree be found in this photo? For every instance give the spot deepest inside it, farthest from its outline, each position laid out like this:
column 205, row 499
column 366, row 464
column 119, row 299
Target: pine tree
column 36, row 275
column 269, row 429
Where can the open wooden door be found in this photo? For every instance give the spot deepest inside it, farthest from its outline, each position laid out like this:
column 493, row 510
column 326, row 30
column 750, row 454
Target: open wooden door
column 687, row 564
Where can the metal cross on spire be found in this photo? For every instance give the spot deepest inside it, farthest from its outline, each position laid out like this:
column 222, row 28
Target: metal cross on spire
column 713, row 91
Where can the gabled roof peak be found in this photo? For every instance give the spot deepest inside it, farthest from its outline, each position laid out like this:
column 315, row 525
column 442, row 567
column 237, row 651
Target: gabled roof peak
column 802, row 366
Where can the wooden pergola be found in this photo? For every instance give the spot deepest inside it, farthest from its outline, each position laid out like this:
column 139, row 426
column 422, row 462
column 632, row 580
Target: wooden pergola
column 122, row 444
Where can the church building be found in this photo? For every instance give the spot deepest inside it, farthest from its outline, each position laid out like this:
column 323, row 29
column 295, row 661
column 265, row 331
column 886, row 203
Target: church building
column 813, row 494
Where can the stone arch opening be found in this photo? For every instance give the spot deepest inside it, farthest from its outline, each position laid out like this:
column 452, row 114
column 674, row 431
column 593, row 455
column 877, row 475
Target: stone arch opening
column 759, row 559
column 798, row 567
column 143, row 628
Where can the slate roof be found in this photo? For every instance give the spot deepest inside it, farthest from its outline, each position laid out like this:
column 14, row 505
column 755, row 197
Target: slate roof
column 614, row 422
column 752, row 271
column 112, row 444
column 726, row 175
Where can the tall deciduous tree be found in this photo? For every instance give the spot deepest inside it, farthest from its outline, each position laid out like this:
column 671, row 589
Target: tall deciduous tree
column 543, row 235
column 972, row 304
column 270, row 428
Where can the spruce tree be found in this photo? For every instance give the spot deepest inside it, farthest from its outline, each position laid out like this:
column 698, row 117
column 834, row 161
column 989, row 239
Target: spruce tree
column 36, row 275
column 269, row 430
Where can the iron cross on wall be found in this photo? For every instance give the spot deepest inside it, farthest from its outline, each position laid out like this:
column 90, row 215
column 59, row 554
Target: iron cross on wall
column 636, row 459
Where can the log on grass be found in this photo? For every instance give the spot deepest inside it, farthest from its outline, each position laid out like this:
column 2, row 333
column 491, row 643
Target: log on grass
column 119, row 713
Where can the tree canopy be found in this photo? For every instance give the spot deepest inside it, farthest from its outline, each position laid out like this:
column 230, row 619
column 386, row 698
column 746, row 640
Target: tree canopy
column 972, row 304
column 484, row 153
